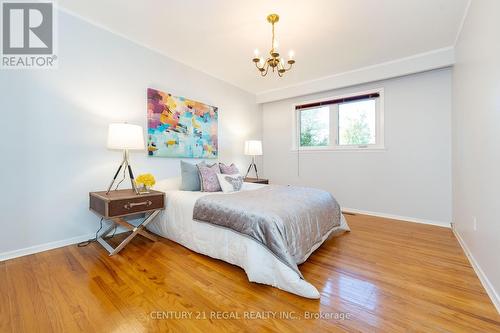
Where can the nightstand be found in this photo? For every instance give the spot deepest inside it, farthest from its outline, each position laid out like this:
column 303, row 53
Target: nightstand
column 117, row 204
column 256, row 180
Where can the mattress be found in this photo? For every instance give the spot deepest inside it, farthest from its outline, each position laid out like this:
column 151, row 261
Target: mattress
column 176, row 223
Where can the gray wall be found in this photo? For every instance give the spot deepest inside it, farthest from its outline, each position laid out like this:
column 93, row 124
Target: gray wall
column 411, row 178
column 476, row 143
column 54, row 127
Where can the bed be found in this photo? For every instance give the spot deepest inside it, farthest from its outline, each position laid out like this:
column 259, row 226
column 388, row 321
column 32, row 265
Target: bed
column 261, row 264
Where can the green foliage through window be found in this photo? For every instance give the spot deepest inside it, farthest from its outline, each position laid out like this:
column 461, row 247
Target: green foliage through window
column 358, row 132
column 314, row 127
column 357, row 123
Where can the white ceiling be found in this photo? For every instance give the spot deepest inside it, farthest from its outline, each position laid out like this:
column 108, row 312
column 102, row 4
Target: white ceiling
column 329, row 37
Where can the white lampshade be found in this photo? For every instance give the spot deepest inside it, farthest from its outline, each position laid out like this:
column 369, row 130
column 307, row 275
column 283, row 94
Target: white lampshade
column 125, row 136
column 253, row 147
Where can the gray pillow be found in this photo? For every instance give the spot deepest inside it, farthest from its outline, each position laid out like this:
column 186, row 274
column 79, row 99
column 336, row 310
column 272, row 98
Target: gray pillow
column 190, row 177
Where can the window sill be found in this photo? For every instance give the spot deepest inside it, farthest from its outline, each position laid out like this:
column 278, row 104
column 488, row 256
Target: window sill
column 339, row 150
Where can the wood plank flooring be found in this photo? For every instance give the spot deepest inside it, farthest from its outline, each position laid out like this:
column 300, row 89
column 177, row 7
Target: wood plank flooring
column 384, row 276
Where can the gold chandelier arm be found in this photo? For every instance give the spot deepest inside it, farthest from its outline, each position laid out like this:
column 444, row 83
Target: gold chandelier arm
column 282, row 67
column 264, row 73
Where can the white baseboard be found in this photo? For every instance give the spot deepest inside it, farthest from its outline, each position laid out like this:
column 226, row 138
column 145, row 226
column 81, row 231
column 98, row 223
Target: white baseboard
column 50, row 246
column 44, row 247
column 490, row 290
column 397, row 217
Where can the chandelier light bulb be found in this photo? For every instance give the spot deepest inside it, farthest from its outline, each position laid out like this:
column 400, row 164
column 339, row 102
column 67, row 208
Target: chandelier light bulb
column 256, row 53
column 291, row 54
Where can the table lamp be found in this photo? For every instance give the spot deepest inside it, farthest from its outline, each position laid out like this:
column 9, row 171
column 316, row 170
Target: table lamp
column 253, row 148
column 125, row 137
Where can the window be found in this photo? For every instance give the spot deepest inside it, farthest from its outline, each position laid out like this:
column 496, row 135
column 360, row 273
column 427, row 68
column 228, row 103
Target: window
column 348, row 122
column 357, row 123
column 315, row 127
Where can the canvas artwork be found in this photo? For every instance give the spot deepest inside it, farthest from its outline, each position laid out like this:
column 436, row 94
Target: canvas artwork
column 180, row 127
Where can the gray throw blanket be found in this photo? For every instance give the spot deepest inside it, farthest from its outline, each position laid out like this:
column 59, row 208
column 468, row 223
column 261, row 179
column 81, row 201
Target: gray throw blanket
column 289, row 221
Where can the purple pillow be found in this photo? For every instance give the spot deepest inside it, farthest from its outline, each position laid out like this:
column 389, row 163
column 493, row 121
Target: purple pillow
column 228, row 169
column 208, row 178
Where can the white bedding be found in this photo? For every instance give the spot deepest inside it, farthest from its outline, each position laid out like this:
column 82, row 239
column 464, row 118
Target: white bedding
column 176, row 223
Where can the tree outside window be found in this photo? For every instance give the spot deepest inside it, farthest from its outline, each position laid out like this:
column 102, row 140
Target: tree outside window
column 314, row 127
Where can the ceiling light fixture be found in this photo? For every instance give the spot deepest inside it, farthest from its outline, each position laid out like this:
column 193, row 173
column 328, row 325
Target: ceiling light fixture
column 275, row 62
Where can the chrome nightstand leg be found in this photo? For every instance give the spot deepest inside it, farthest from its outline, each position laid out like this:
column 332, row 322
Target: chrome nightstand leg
column 135, row 231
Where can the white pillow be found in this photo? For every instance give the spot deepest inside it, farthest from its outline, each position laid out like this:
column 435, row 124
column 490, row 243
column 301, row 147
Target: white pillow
column 230, row 183
column 168, row 184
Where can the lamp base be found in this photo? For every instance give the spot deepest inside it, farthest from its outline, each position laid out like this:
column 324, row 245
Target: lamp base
column 250, row 168
column 125, row 165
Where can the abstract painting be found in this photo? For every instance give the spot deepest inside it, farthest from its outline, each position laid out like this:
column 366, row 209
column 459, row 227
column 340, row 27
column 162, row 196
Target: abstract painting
column 180, row 127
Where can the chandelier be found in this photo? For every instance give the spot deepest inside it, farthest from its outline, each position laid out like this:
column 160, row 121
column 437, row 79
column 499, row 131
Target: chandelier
column 275, row 62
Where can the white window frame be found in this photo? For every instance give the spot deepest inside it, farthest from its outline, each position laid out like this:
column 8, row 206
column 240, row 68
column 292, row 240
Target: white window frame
column 333, row 145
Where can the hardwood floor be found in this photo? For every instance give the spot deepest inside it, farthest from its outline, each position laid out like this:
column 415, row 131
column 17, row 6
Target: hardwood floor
column 384, row 276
